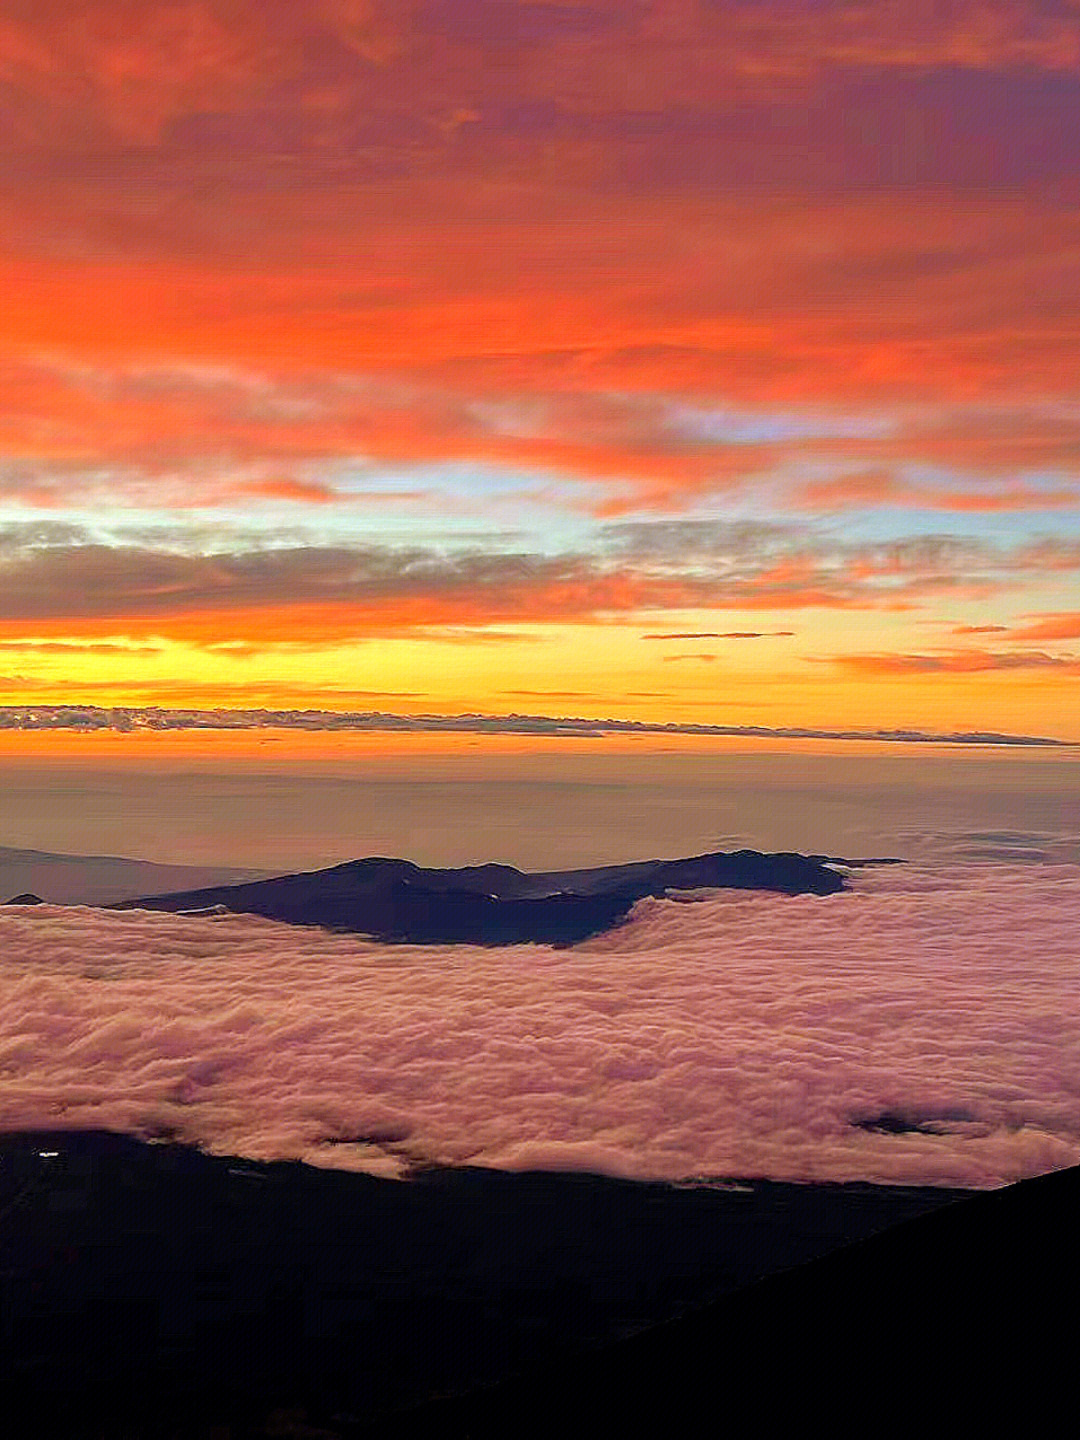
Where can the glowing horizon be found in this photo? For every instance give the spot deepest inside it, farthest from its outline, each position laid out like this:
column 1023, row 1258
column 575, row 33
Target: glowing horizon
column 72, row 717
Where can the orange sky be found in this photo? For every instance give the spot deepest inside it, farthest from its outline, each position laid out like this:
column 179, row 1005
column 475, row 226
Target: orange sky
column 430, row 355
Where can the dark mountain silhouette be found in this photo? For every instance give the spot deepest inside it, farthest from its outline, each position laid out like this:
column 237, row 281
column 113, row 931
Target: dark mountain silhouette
column 26, row 899
column 150, row 1289
column 960, row 1322
column 491, row 904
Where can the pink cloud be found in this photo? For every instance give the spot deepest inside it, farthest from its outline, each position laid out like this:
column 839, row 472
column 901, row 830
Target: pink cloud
column 745, row 1034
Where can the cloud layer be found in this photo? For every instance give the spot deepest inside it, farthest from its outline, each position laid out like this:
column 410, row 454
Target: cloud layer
column 740, row 1035
column 277, row 585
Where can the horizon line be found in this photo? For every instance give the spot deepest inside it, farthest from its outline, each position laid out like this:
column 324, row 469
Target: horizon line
column 125, row 719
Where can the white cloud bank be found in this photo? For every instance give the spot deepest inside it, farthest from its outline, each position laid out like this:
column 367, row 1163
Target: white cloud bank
column 745, row 1034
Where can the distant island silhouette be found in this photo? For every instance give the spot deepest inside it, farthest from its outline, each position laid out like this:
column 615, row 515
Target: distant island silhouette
column 65, row 879
column 398, row 901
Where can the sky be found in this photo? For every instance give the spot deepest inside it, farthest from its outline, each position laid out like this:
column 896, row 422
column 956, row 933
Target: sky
column 691, row 361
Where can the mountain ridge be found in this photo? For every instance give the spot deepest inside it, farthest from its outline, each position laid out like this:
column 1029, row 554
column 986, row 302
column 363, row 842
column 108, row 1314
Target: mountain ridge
column 67, row 879
column 397, row 900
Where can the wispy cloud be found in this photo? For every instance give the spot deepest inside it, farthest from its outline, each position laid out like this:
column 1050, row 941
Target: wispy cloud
column 722, row 635
column 353, row 590
column 1064, row 626
column 848, row 491
column 957, row 662
column 77, row 647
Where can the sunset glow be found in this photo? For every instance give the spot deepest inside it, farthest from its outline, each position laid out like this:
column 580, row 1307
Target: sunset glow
column 708, row 361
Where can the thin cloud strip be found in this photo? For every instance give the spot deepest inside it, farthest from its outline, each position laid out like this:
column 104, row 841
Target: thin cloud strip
column 957, row 662
column 73, row 715
column 721, row 635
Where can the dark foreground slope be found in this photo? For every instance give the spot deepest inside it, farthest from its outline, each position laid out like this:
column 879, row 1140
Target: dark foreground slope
column 492, row 904
column 962, row 1322
column 154, row 1290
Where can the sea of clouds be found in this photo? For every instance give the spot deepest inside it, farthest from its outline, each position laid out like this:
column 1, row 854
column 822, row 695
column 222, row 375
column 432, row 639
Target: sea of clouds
column 741, row 1034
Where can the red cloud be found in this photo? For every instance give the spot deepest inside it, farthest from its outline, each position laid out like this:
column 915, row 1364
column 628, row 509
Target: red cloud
column 1064, row 626
column 874, row 488
column 139, row 67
